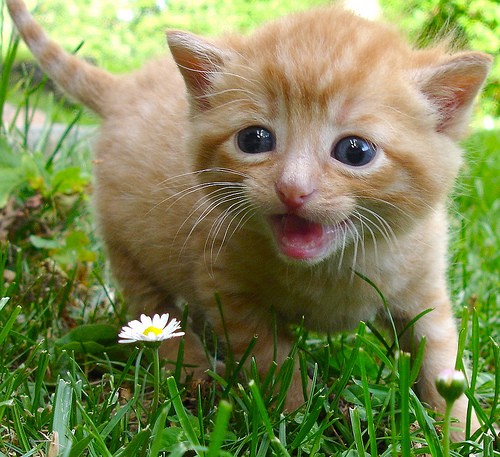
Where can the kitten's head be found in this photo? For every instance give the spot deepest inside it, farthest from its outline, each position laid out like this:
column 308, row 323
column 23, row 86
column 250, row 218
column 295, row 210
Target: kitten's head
column 331, row 127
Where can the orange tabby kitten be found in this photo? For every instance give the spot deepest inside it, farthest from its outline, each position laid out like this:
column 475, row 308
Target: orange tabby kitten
column 269, row 168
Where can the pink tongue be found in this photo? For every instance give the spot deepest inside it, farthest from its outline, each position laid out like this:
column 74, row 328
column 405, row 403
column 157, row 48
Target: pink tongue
column 297, row 237
column 300, row 231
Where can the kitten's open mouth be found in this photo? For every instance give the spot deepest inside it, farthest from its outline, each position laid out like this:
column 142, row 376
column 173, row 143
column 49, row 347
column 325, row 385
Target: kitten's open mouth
column 302, row 239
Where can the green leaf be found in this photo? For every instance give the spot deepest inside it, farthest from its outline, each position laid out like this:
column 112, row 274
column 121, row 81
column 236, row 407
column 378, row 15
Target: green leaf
column 10, row 180
column 95, row 337
column 45, row 243
column 76, row 247
column 69, row 180
column 171, row 436
column 16, row 169
column 7, row 157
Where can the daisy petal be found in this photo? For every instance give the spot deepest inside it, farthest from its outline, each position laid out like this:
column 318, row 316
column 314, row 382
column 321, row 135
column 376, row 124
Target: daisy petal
column 150, row 329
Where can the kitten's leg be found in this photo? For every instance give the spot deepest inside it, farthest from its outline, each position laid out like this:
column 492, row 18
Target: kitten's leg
column 441, row 345
column 243, row 320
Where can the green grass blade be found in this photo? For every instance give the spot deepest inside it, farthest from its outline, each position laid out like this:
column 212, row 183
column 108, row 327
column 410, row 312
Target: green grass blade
column 115, row 420
column 93, row 431
column 181, row 413
column 78, row 448
column 219, row 432
column 496, row 395
column 426, row 426
column 238, row 367
column 275, row 442
column 339, row 386
column 386, row 306
column 40, row 374
column 71, row 125
column 417, row 360
column 19, row 427
column 475, row 350
column 7, row 64
column 356, row 430
column 135, row 445
column 368, row 344
column 368, row 404
column 310, row 418
column 404, row 393
column 3, row 301
column 8, row 325
column 156, row 434
column 62, row 412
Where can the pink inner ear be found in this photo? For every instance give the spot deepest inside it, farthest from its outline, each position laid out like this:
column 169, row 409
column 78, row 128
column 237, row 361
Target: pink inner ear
column 197, row 60
column 460, row 96
column 448, row 106
column 453, row 86
column 197, row 79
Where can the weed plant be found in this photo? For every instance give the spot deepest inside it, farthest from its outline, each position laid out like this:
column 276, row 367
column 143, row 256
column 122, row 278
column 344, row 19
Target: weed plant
column 68, row 389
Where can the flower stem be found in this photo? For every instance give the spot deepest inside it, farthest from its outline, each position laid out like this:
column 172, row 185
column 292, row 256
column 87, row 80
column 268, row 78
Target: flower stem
column 156, row 381
column 446, row 429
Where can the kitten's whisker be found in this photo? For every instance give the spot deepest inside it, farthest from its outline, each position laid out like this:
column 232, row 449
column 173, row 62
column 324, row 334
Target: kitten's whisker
column 205, row 170
column 219, row 222
column 213, row 204
column 381, row 225
column 226, row 91
column 355, row 251
column 345, row 231
column 362, row 219
column 218, row 72
column 180, row 194
column 202, row 201
column 224, row 105
column 192, row 189
column 236, row 210
column 247, row 212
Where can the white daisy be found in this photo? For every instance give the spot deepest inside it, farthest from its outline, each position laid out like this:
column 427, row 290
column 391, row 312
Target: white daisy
column 147, row 329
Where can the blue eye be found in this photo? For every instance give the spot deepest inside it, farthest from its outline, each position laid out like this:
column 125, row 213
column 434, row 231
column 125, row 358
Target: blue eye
column 354, row 151
column 255, row 140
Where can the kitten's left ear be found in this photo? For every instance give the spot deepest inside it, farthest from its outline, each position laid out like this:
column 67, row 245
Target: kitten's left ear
column 199, row 61
column 452, row 86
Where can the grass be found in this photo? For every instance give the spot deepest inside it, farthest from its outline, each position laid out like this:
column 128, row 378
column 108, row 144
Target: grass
column 68, row 389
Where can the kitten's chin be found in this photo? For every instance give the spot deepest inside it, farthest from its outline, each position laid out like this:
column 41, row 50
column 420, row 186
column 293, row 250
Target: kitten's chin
column 301, row 239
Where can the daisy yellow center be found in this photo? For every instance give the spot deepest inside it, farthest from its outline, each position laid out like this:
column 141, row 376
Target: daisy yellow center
column 152, row 329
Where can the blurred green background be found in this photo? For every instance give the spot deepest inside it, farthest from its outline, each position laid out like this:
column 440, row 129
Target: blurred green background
column 122, row 34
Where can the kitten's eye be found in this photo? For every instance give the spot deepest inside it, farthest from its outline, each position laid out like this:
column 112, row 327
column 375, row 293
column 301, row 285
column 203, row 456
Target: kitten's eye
column 254, row 140
column 354, row 151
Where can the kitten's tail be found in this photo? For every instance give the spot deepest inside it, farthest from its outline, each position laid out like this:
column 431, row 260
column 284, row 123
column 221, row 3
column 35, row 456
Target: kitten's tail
column 83, row 81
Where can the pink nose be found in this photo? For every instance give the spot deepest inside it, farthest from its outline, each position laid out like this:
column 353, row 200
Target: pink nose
column 293, row 196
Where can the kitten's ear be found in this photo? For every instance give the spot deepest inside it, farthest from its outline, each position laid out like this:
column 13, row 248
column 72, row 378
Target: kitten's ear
column 198, row 61
column 452, row 87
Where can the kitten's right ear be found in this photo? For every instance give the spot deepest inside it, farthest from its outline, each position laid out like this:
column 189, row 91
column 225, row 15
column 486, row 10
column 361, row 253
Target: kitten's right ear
column 198, row 61
column 452, row 86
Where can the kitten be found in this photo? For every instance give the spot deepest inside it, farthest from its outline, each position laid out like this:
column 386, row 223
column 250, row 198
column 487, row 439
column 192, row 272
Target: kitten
column 270, row 168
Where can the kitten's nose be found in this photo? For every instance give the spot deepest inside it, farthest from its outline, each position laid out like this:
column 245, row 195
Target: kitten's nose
column 293, row 196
